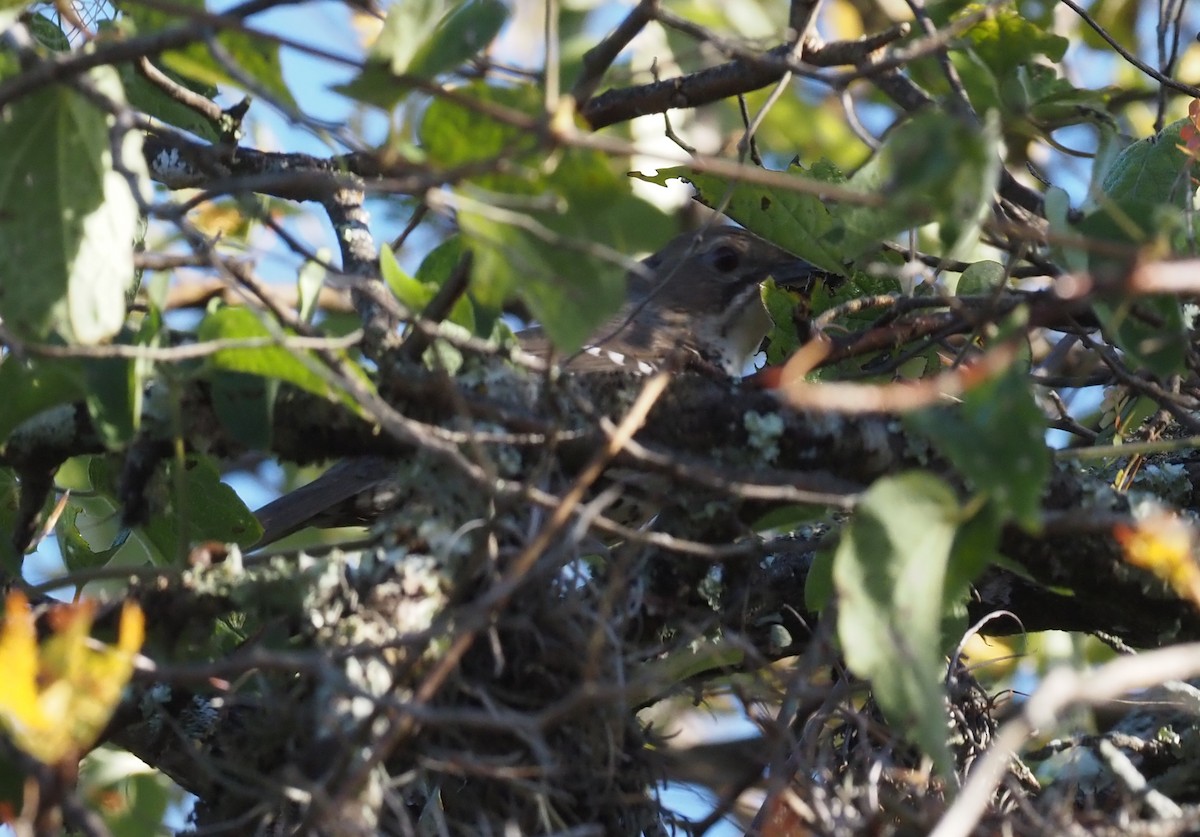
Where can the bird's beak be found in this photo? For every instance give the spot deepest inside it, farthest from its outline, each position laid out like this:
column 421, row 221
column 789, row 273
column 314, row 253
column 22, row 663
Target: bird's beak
column 796, row 275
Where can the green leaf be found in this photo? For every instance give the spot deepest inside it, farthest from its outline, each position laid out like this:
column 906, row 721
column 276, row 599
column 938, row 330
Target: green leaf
column 90, row 528
column 154, row 101
column 788, row 518
column 13, row 781
column 1142, row 179
column 293, row 366
column 77, row 552
column 464, row 29
column 31, row 385
column 1055, row 103
column 415, row 293
column 188, row 504
column 540, row 229
column 890, row 572
column 309, row 282
column 796, row 221
column 66, row 216
column 1058, row 215
column 438, row 264
column 200, row 507
column 137, row 796
column 1149, row 171
column 454, row 135
column 257, row 57
column 996, row 438
column 424, row 38
column 412, row 294
column 953, row 186
column 976, row 546
column 818, row 586
column 568, row 293
column 1150, row 330
column 114, row 397
column 48, row 33
column 1005, row 39
column 784, row 338
column 980, row 278
column 245, row 404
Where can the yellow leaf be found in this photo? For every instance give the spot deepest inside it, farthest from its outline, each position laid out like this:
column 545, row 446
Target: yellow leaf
column 56, row 699
column 1162, row 544
column 19, row 708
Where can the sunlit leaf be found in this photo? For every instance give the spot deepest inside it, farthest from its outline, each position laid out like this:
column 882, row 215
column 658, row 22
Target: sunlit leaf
column 890, row 572
column 293, row 366
column 465, row 28
column 797, row 221
column 132, row 797
column 424, row 38
column 56, row 698
column 66, row 216
column 1164, row 544
column 1005, row 39
column 257, row 58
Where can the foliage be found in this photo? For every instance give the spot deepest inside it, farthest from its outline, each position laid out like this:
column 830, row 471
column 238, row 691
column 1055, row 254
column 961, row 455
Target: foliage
column 58, row 696
column 978, row 410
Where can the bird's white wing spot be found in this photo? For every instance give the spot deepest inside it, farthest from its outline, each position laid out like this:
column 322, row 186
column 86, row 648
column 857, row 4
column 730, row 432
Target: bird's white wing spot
column 619, row 359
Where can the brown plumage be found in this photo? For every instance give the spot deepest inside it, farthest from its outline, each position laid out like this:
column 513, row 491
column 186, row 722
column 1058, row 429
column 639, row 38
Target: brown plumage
column 701, row 299
column 697, row 301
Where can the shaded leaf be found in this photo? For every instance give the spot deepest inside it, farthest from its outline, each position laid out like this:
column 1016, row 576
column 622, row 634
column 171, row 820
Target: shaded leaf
column 10, row 499
column 980, row 278
column 245, row 404
column 1141, row 182
column 996, row 438
column 31, row 385
column 200, row 507
column 1151, row 330
column 114, row 396
column 541, row 229
column 953, row 187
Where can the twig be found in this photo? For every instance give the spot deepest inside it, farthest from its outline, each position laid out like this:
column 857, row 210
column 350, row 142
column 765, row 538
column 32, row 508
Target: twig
column 1061, row 689
column 496, row 597
column 1164, row 80
column 599, row 58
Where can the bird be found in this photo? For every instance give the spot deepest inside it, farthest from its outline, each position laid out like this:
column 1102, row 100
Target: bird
column 696, row 303
column 696, row 299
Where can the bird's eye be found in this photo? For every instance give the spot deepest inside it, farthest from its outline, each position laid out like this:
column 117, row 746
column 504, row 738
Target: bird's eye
column 725, row 258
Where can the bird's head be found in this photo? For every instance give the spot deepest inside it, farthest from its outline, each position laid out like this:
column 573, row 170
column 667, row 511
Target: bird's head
column 704, row 290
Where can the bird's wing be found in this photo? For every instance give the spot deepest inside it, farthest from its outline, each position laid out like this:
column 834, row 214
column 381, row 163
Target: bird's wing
column 299, row 508
column 602, row 358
